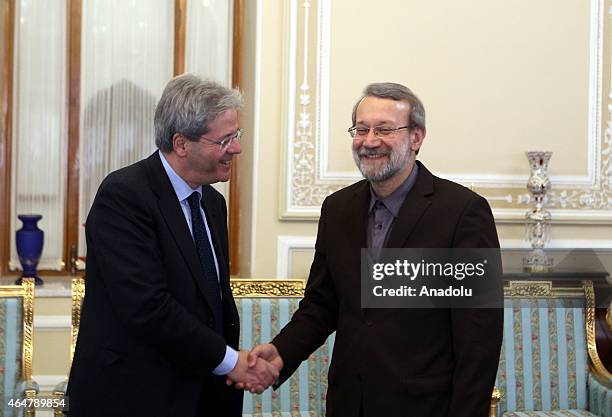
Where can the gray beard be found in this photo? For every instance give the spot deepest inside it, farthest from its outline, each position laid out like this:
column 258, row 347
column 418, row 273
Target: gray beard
column 398, row 159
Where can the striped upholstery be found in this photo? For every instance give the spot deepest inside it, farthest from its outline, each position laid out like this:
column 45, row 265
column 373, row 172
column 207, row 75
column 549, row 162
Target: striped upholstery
column 544, row 363
column 304, row 393
column 560, row 413
column 543, row 369
column 600, row 398
column 11, row 330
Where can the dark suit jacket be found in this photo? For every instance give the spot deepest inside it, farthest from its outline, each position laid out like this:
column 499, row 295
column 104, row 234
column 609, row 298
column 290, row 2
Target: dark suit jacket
column 146, row 344
column 397, row 362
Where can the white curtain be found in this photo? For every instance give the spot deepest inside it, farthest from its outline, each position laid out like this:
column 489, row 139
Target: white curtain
column 127, row 59
column 208, row 45
column 39, row 135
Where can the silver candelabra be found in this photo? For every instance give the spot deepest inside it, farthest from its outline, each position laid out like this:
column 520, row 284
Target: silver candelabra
column 538, row 218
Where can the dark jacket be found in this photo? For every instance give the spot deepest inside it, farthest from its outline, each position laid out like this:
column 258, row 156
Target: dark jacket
column 146, row 344
column 397, row 362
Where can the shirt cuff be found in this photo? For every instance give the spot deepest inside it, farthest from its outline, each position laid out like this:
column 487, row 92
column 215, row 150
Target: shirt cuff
column 228, row 363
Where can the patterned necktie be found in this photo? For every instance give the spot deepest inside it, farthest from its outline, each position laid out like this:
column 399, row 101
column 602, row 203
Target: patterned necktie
column 211, row 282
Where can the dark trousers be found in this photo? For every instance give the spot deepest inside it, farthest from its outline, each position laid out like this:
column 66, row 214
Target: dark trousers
column 220, row 400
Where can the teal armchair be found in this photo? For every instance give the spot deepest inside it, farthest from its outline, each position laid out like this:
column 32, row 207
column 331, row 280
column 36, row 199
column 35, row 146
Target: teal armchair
column 549, row 365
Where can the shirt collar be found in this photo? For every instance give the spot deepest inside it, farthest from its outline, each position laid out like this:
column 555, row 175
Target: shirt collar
column 393, row 202
column 181, row 188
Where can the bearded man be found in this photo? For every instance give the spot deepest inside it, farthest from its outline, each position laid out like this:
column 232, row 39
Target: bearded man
column 393, row 362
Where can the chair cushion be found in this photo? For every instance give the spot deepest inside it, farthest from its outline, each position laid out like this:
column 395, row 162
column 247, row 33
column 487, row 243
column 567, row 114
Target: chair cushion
column 543, row 363
column 559, row 413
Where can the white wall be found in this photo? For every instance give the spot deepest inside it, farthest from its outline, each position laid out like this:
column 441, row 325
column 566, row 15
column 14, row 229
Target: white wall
column 497, row 79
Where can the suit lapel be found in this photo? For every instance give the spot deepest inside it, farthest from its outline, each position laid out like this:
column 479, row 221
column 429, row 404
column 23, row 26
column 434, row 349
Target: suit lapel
column 357, row 230
column 357, row 213
column 412, row 209
column 172, row 213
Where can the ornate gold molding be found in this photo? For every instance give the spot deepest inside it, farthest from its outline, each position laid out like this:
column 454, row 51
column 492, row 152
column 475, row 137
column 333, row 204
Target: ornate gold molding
column 495, row 398
column 78, row 292
column 599, row 370
column 295, row 288
column 28, row 327
column 540, row 289
column 528, row 289
column 267, row 287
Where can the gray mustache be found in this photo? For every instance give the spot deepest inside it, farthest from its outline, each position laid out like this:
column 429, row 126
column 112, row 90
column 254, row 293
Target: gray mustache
column 366, row 152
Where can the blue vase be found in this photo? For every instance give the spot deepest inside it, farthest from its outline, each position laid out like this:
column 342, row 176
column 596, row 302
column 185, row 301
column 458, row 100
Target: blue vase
column 29, row 241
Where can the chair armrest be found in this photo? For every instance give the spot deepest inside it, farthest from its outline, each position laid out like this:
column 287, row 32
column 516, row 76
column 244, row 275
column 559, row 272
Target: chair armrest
column 600, row 395
column 59, row 392
column 28, row 389
column 494, row 407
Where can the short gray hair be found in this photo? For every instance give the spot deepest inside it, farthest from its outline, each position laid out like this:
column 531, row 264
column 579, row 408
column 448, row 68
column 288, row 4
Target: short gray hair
column 188, row 106
column 395, row 92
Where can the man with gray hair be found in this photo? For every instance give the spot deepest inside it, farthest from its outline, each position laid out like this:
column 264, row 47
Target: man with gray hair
column 159, row 328
column 393, row 362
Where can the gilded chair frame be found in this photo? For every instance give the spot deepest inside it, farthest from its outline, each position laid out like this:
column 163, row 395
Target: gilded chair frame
column 245, row 287
column 26, row 292
column 77, row 295
column 596, row 366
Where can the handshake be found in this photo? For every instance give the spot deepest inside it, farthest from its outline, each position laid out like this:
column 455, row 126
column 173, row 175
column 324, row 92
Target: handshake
column 256, row 370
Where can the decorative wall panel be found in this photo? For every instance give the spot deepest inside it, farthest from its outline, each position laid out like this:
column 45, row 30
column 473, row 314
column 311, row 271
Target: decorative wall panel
column 324, row 36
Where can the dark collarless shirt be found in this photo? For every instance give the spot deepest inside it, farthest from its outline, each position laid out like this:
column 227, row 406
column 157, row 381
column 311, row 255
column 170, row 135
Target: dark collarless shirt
column 383, row 211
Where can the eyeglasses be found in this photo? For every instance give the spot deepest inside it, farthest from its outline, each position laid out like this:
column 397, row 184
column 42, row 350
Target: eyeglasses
column 360, row 132
column 225, row 141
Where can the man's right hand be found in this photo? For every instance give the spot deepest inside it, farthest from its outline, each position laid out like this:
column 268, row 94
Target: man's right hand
column 252, row 373
column 262, row 354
